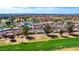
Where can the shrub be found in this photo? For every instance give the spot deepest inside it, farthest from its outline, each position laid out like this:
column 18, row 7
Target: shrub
column 0, row 37
column 13, row 40
column 23, row 43
column 30, row 38
column 11, row 37
column 75, row 35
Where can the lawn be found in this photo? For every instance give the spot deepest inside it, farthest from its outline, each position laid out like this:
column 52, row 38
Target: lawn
column 43, row 46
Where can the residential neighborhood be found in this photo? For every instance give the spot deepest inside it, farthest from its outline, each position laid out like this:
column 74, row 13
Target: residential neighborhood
column 37, row 23
column 36, row 28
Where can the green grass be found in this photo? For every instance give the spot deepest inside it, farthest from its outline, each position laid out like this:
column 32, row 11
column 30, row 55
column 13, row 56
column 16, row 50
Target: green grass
column 43, row 46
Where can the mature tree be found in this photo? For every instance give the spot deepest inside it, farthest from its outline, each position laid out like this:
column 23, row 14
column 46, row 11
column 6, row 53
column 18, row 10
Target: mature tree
column 47, row 29
column 8, row 23
column 12, row 20
column 70, row 27
column 25, row 30
column 36, row 20
column 0, row 20
column 61, row 31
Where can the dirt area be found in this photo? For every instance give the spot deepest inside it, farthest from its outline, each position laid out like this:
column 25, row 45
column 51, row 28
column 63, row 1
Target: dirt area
column 69, row 49
column 40, row 36
column 21, row 38
column 67, row 35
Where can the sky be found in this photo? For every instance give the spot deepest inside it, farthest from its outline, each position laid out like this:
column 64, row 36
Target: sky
column 41, row 10
column 40, row 6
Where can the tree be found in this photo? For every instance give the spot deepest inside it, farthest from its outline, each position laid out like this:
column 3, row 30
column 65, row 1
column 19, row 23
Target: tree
column 12, row 20
column 36, row 21
column 25, row 30
column 47, row 29
column 61, row 31
column 8, row 23
column 0, row 20
column 70, row 27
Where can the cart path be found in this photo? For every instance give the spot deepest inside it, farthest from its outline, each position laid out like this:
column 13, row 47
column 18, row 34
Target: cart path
column 69, row 49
